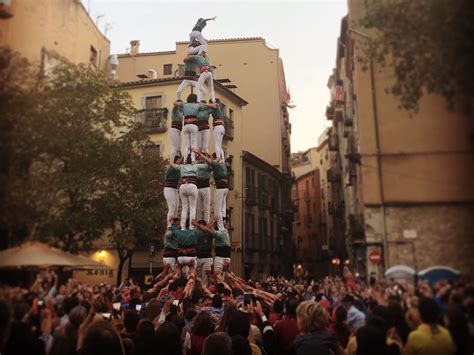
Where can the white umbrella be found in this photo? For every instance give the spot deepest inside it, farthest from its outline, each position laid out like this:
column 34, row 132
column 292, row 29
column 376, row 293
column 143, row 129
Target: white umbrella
column 43, row 255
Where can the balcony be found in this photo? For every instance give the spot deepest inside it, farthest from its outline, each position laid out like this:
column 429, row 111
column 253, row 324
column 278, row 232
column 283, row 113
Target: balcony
column 330, row 112
column 229, row 129
column 155, row 120
column 339, row 113
column 333, row 142
column 348, row 119
column 250, row 196
column 333, row 175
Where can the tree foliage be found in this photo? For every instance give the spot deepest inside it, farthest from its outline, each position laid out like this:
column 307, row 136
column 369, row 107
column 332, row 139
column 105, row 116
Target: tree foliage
column 75, row 165
column 428, row 43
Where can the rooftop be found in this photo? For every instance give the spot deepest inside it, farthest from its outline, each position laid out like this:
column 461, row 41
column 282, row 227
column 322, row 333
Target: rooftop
column 151, row 82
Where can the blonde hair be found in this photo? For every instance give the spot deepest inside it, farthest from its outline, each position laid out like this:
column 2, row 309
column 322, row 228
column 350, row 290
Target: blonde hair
column 312, row 317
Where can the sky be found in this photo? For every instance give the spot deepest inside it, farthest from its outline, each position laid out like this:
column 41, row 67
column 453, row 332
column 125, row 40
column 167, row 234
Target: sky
column 306, row 33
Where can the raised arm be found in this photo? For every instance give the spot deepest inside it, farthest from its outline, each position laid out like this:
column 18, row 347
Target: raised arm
column 205, row 229
column 203, row 157
column 210, row 19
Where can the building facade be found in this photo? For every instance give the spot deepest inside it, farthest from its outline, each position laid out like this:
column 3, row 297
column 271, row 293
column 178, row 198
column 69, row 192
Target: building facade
column 51, row 32
column 250, row 86
column 406, row 177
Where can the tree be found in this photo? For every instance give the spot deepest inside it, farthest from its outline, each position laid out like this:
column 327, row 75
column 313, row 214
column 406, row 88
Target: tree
column 429, row 44
column 133, row 202
column 74, row 164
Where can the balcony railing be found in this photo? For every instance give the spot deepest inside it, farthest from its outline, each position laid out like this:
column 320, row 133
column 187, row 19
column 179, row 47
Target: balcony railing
column 155, row 119
column 330, row 112
column 333, row 175
column 229, row 128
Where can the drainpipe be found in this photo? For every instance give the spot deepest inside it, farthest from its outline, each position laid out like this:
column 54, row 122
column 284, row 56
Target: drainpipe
column 377, row 149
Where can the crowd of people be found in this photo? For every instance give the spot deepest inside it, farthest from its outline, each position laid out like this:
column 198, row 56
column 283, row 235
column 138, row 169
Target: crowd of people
column 179, row 315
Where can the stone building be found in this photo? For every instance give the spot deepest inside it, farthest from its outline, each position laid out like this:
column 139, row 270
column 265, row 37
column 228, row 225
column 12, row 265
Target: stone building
column 406, row 177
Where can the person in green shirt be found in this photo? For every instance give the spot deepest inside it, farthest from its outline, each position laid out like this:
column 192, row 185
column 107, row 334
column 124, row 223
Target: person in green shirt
column 203, row 125
column 203, row 205
column 188, row 190
column 219, row 129
column 187, row 243
column 219, row 170
column 204, row 253
column 196, row 34
column 170, row 190
column 175, row 130
column 190, row 74
column 222, row 245
column 205, row 76
column 171, row 249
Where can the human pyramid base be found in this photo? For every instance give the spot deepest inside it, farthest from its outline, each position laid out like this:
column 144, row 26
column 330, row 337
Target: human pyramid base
column 190, row 237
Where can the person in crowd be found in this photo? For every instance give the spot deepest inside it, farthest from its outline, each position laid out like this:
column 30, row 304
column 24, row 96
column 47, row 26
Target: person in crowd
column 167, row 339
column 339, row 327
column 277, row 312
column 430, row 337
column 101, row 337
column 286, row 330
column 355, row 318
column 313, row 321
column 218, row 343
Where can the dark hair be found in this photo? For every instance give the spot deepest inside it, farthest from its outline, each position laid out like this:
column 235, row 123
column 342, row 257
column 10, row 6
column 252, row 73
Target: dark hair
column 238, row 324
column 429, row 310
column 290, row 305
column 131, row 320
column 152, row 310
column 176, row 158
column 399, row 321
column 341, row 315
column 459, row 329
column 217, row 301
column 102, row 338
column 168, row 339
column 236, row 292
column 202, row 324
column 278, row 306
column 192, row 98
column 189, row 159
column 190, row 313
column 371, row 340
column 384, row 313
column 241, row 346
column 348, row 299
column 146, row 329
column 218, row 343
column 226, row 292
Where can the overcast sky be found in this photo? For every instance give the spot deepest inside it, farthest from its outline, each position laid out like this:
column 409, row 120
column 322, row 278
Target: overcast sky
column 306, row 33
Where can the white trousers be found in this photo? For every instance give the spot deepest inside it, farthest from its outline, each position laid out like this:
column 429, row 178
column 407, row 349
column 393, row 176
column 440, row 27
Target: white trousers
column 175, row 137
column 219, row 263
column 189, row 136
column 171, row 262
column 218, row 134
column 204, row 265
column 203, row 78
column 203, row 206
column 198, row 49
column 172, row 200
column 203, row 140
column 186, row 83
column 220, row 206
column 188, row 194
column 198, row 36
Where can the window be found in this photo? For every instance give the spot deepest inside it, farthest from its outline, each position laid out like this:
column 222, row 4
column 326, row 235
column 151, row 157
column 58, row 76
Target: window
column 152, row 102
column 167, row 69
column 93, row 57
column 231, row 114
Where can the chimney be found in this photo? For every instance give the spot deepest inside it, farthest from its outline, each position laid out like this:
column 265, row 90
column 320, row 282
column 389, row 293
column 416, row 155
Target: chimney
column 134, row 47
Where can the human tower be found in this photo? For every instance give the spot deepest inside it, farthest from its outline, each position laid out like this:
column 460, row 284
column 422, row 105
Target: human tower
column 190, row 237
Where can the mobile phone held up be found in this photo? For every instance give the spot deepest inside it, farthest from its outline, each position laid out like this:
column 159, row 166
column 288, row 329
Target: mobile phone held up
column 138, row 307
